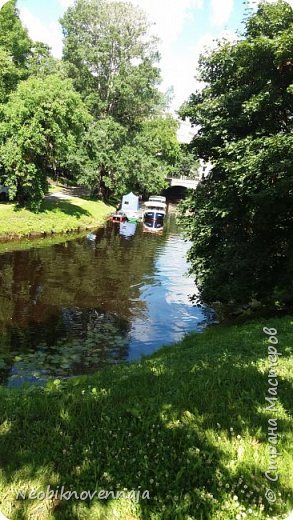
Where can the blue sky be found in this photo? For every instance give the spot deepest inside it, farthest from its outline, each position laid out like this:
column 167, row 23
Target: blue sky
column 183, row 26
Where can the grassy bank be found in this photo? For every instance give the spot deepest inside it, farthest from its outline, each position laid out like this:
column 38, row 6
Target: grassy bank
column 189, row 424
column 56, row 216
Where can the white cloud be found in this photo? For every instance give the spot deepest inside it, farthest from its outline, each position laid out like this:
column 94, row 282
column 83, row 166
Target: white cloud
column 66, row 3
column 50, row 34
column 2, row 2
column 221, row 11
column 169, row 16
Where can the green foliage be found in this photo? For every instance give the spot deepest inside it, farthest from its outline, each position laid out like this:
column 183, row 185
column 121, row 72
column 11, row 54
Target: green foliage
column 240, row 219
column 13, row 36
column 187, row 165
column 114, row 161
column 9, row 75
column 15, row 48
column 96, row 160
column 45, row 126
column 41, row 63
column 112, row 59
column 43, row 123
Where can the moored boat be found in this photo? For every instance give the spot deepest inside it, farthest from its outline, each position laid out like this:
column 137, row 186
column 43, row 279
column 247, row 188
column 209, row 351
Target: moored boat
column 119, row 216
column 153, row 226
column 154, row 210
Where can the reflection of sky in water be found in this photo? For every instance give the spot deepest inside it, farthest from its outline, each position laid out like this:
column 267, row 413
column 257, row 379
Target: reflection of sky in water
column 167, row 297
column 127, row 229
column 136, row 283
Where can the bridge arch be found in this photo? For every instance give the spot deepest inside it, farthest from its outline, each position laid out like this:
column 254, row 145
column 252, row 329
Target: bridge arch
column 183, row 182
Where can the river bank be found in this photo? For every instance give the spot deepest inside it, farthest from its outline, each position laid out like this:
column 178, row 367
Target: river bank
column 189, row 424
column 57, row 215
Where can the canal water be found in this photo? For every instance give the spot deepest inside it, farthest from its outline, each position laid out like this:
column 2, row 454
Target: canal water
column 112, row 296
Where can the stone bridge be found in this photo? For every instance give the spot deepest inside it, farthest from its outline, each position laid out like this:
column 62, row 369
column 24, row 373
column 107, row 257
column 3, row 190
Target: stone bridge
column 184, row 182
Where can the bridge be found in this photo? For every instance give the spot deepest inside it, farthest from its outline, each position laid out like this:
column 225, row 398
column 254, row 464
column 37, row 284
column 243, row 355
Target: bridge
column 183, row 182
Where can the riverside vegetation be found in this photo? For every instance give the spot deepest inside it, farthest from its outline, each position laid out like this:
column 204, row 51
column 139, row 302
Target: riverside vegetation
column 189, row 424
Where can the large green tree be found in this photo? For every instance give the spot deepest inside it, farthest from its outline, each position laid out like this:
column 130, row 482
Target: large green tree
column 13, row 36
column 43, row 124
column 240, row 218
column 112, row 59
column 112, row 160
column 15, row 48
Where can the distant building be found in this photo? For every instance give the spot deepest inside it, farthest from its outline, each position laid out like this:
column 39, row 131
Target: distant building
column 204, row 168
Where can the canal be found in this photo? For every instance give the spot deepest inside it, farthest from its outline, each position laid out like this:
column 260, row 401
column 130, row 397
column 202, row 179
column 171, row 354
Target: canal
column 114, row 296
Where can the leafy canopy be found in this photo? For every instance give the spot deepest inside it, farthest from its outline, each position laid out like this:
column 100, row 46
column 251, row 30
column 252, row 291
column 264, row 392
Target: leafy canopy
column 112, row 59
column 241, row 223
column 42, row 125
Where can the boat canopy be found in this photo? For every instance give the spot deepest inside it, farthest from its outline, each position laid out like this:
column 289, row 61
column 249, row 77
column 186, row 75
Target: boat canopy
column 158, row 198
column 130, row 202
column 154, row 204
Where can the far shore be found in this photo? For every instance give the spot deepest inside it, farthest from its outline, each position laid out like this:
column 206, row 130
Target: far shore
column 58, row 215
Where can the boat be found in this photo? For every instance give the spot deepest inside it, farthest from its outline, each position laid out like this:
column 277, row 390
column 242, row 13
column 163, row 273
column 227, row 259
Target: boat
column 153, row 226
column 154, row 210
column 130, row 206
column 119, row 216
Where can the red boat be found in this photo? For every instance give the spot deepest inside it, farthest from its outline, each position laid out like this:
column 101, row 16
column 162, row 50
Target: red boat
column 119, row 216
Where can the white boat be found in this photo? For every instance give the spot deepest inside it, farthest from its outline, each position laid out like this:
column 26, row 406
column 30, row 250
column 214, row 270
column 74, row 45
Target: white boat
column 154, row 210
column 153, row 226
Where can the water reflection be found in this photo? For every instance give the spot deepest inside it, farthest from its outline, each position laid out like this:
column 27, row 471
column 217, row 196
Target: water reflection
column 127, row 229
column 74, row 307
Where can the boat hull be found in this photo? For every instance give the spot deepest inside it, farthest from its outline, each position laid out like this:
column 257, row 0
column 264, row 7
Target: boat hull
column 154, row 215
column 118, row 218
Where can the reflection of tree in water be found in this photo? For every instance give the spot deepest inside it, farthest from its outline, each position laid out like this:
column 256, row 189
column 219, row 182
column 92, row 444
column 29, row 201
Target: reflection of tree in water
column 91, row 340
column 50, row 293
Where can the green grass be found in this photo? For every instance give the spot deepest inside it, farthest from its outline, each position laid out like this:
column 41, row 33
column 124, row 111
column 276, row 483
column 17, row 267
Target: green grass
column 189, row 424
column 56, row 216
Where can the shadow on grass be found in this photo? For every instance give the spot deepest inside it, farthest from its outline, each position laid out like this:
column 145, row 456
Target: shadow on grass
column 168, row 424
column 66, row 206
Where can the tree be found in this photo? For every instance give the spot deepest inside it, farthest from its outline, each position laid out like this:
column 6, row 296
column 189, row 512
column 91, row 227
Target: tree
column 241, row 222
column 13, row 36
column 43, row 123
column 148, row 157
column 41, row 63
column 9, row 75
column 187, row 164
column 96, row 161
column 113, row 161
column 15, row 46
column 112, row 59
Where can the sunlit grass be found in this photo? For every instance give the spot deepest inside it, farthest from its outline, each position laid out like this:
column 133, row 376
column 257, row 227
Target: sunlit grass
column 189, row 424
column 56, row 216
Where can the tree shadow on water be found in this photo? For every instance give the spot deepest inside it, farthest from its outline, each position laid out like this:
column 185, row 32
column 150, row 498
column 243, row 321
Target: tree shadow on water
column 166, row 425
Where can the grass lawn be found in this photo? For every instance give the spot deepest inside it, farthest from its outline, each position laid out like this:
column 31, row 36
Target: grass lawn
column 189, row 424
column 56, row 216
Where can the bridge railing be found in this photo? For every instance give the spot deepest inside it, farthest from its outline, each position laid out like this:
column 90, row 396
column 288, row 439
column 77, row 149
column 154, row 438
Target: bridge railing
column 184, row 178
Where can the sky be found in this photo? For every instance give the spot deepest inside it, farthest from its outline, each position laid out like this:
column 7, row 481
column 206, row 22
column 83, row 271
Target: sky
column 184, row 27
